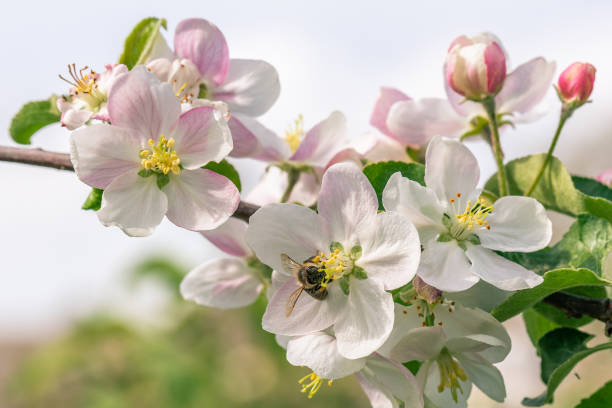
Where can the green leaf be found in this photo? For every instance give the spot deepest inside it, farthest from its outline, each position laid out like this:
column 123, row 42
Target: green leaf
column 600, row 399
column 586, row 245
column 379, row 173
column 145, row 173
column 592, row 187
column 556, row 190
column 359, row 272
column 162, row 180
column 537, row 325
column 554, row 281
column 345, row 285
column 224, row 168
column 139, row 43
column 93, row 200
column 563, row 348
column 32, row 117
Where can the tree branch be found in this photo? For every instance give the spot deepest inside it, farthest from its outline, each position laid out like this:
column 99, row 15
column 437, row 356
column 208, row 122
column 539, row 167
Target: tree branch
column 577, row 306
column 61, row 161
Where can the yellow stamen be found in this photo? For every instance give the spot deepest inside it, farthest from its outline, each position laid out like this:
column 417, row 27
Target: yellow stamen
column 295, row 134
column 450, row 374
column 475, row 214
column 313, row 386
column 161, row 157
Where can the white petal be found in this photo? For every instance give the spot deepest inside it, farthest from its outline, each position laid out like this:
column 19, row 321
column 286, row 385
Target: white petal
column 410, row 198
column 230, row 237
column 100, row 153
column 499, row 271
column 309, row 314
column 391, row 250
column 224, row 283
column 394, row 380
column 290, row 229
column 406, row 319
column 319, row 352
column 200, row 199
column 445, row 266
column 378, row 397
column 422, row 343
column 367, row 319
column 517, row 224
column 252, row 139
column 526, row 86
column 451, row 169
column 133, row 203
column 347, row 201
column 415, row 122
column 251, row 87
column 485, row 376
column 274, row 182
column 75, row 118
column 323, row 141
column 201, row 135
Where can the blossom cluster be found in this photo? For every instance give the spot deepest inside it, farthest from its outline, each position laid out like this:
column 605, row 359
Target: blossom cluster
column 359, row 276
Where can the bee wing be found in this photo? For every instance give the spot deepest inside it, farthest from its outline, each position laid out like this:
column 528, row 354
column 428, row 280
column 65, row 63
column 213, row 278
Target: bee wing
column 290, row 265
column 292, row 300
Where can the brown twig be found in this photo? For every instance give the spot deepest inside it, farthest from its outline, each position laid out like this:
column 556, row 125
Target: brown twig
column 61, row 161
column 578, row 306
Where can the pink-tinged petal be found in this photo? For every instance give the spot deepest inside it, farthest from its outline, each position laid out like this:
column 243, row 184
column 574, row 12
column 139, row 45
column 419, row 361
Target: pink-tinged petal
column 133, row 203
column 411, row 199
column 421, row 343
column 605, row 177
column 319, row 352
column 204, row 44
column 201, row 135
column 376, row 147
column 462, row 106
column 386, row 99
column 107, row 79
column 366, row 319
column 391, row 250
column 290, row 229
column 201, row 199
column 517, row 224
column 394, row 381
column 254, row 140
column 445, row 266
column 499, row 271
column 309, row 314
column 346, row 155
column 100, row 153
column 526, row 86
column 74, row 118
column 451, row 169
column 140, row 102
column 230, row 237
column 495, row 61
column 323, row 141
column 576, row 82
column 348, row 202
column 415, row 122
column 251, row 87
column 225, row 283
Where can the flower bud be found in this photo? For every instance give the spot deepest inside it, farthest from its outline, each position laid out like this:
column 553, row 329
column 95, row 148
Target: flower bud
column 425, row 291
column 475, row 67
column 576, row 83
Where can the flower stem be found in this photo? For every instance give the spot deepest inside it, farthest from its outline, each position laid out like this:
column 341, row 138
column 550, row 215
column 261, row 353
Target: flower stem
column 293, row 176
column 489, row 105
column 565, row 114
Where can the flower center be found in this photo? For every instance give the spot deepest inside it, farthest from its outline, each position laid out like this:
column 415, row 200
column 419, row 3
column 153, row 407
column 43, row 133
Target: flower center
column 161, row 157
column 335, row 265
column 450, row 374
column 311, row 384
column 472, row 218
column 295, row 134
column 85, row 86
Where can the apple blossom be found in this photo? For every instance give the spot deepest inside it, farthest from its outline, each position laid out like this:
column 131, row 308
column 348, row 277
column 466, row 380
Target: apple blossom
column 575, row 83
column 605, row 177
column 88, row 95
column 201, row 68
column 148, row 161
column 361, row 252
column 457, row 351
column 414, row 122
column 459, row 231
column 229, row 282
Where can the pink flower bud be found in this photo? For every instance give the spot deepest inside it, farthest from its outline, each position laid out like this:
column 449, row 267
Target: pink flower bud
column 576, row 82
column 476, row 67
column 605, row 177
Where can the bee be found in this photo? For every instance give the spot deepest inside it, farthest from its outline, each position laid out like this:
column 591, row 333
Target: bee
column 310, row 277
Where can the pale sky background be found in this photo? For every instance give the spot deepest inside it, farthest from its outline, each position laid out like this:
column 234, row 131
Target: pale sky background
column 59, row 263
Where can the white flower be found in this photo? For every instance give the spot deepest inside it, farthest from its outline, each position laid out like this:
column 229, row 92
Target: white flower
column 361, row 254
column 200, row 67
column 459, row 231
column 415, row 122
column 88, row 95
column 148, row 160
column 458, row 350
column 230, row 282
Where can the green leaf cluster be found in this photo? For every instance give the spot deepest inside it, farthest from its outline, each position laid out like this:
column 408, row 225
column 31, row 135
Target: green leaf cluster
column 32, row 117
